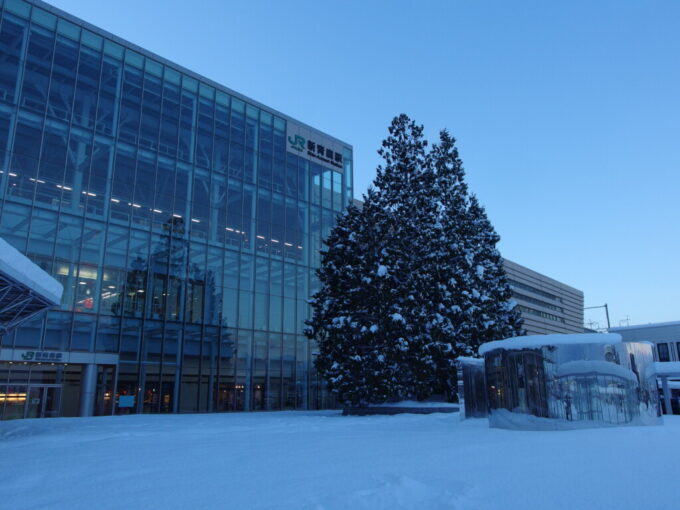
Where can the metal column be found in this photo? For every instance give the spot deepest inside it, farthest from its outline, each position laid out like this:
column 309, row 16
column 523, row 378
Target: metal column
column 88, row 390
column 666, row 395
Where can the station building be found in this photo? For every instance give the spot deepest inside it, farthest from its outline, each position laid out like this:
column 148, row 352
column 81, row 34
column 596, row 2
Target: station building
column 183, row 220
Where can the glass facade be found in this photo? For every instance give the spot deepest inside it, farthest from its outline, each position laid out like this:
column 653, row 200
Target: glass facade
column 183, row 228
column 572, row 385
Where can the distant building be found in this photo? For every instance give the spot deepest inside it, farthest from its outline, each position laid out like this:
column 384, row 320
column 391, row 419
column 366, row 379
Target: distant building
column 664, row 335
column 547, row 306
column 666, row 339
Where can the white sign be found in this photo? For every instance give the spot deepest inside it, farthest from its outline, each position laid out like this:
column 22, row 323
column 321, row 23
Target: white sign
column 311, row 146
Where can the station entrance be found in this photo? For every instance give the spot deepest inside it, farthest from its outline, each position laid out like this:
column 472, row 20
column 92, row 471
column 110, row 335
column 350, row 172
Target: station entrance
column 19, row 401
column 49, row 390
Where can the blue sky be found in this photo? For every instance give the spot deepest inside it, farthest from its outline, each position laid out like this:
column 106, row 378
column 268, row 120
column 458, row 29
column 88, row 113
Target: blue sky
column 567, row 114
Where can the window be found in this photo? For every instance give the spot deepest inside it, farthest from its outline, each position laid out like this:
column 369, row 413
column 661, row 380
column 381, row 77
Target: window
column 662, row 350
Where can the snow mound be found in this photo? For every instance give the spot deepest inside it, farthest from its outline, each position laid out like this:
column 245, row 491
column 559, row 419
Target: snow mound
column 466, row 360
column 589, row 367
column 415, row 403
column 666, row 368
column 537, row 341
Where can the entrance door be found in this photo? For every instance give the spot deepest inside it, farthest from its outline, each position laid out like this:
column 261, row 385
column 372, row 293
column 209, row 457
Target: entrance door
column 34, row 402
column 43, row 402
column 52, row 402
column 14, row 399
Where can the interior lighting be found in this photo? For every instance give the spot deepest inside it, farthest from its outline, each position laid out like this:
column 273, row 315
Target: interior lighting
column 260, row 237
column 195, row 220
column 176, row 216
column 115, row 200
column 157, row 211
column 12, row 174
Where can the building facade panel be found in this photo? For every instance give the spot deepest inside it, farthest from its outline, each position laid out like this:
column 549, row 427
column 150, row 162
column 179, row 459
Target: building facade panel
column 546, row 305
column 182, row 219
column 665, row 339
column 664, row 335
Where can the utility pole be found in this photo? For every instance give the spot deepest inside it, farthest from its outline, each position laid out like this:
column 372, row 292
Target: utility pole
column 606, row 311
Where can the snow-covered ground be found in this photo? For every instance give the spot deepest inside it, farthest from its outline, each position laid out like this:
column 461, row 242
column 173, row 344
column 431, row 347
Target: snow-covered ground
column 323, row 461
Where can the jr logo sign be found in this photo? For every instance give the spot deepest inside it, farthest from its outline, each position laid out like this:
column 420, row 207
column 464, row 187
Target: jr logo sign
column 27, row 356
column 297, row 143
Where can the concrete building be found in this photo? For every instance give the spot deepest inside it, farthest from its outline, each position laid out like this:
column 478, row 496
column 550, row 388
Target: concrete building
column 666, row 339
column 664, row 335
column 547, row 305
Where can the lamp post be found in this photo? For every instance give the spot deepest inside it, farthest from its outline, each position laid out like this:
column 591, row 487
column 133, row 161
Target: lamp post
column 606, row 310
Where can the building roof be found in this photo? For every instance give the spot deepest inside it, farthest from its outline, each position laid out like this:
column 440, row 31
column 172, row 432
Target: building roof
column 641, row 326
column 25, row 289
column 537, row 341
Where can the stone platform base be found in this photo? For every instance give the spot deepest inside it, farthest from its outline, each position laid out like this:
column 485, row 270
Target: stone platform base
column 388, row 410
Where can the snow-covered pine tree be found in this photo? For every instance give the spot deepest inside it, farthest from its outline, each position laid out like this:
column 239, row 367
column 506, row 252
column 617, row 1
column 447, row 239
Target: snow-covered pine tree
column 478, row 297
column 366, row 312
column 409, row 282
column 348, row 315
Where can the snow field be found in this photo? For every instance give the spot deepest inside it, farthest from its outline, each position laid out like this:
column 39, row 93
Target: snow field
column 323, row 461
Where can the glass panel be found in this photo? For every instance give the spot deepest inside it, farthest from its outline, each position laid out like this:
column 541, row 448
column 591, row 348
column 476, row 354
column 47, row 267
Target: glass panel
column 12, row 38
column 18, row 7
column 34, row 402
column 68, row 29
column 190, row 370
column 82, row 338
column 57, row 331
column 37, row 69
column 259, row 370
column 128, row 384
column 43, row 18
column 152, row 390
column 108, row 330
column 167, row 402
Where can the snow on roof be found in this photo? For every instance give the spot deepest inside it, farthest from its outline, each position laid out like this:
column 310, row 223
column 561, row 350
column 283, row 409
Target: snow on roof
column 21, row 269
column 536, row 341
column 650, row 325
column 667, row 368
column 588, row 367
column 470, row 361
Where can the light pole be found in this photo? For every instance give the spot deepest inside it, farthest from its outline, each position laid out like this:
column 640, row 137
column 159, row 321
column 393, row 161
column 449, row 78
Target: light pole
column 606, row 311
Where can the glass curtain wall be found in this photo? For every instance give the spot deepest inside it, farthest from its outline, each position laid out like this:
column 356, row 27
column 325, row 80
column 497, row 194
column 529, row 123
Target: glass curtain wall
column 184, row 233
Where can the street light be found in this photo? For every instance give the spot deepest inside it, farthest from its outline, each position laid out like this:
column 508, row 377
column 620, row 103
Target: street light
column 606, row 310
